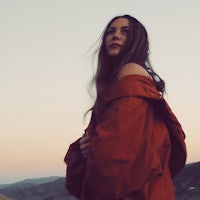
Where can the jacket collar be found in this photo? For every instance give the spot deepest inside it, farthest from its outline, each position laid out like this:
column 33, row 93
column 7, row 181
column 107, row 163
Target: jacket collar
column 132, row 86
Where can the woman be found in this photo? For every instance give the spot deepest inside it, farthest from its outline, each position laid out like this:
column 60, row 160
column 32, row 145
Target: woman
column 134, row 145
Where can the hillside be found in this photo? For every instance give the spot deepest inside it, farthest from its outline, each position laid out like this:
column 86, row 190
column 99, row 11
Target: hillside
column 2, row 197
column 186, row 184
column 53, row 190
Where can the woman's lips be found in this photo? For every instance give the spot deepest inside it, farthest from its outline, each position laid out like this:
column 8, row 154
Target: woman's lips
column 115, row 45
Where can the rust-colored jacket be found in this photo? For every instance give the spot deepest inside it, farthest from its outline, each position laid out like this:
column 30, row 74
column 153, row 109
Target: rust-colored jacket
column 137, row 146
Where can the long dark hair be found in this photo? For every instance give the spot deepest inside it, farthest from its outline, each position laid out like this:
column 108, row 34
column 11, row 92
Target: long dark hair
column 136, row 49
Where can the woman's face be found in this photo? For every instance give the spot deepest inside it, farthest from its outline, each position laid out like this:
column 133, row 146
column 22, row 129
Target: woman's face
column 116, row 36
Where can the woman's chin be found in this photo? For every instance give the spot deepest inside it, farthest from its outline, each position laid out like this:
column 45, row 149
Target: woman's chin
column 113, row 53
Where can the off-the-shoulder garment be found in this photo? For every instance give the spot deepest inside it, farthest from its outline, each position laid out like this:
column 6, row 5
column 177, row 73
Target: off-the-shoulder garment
column 137, row 146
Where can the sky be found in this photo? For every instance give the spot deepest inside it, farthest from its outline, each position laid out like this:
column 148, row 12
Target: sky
column 46, row 48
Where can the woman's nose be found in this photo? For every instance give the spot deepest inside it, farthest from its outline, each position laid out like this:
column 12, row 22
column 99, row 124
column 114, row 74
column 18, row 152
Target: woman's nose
column 117, row 35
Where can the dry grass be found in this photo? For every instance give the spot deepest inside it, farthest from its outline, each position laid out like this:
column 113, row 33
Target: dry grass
column 2, row 197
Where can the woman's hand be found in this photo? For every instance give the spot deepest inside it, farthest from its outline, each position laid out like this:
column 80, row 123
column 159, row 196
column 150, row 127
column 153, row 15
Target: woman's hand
column 85, row 145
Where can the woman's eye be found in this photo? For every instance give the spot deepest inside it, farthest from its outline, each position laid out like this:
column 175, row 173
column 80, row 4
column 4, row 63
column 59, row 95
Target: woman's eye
column 110, row 31
column 125, row 31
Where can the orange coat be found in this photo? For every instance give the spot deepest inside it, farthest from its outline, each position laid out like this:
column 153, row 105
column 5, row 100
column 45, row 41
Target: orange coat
column 137, row 146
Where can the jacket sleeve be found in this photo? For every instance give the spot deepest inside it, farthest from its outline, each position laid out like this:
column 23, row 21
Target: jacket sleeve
column 121, row 158
column 75, row 169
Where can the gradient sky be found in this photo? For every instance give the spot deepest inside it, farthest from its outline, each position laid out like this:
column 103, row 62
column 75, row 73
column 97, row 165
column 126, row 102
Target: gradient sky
column 45, row 67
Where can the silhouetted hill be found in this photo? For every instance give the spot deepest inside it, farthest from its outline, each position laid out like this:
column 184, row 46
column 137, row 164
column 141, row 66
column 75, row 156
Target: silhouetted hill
column 54, row 190
column 15, row 188
column 40, row 180
column 3, row 186
column 186, row 184
column 30, row 182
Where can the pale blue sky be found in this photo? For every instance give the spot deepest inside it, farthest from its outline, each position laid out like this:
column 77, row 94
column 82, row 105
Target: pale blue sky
column 45, row 68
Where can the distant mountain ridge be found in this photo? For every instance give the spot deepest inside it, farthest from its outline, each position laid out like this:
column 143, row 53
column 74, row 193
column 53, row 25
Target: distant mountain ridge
column 186, row 184
column 34, row 181
column 48, row 188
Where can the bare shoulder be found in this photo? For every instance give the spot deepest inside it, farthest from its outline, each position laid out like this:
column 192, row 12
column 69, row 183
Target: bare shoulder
column 131, row 69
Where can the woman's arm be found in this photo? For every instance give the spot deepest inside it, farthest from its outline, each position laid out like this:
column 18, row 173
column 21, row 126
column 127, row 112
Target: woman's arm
column 76, row 165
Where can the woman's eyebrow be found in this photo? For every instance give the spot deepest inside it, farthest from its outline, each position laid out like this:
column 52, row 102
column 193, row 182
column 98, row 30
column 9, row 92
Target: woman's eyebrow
column 125, row 27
